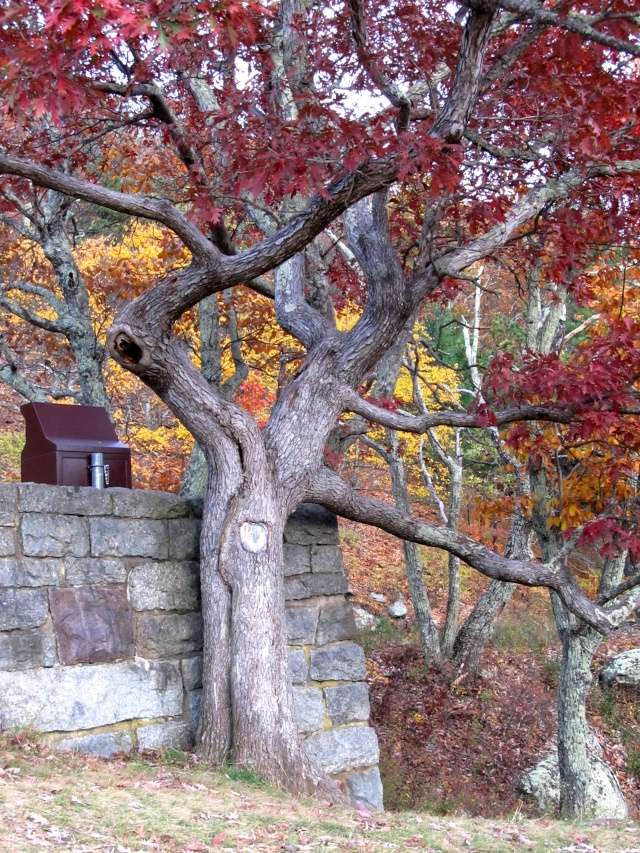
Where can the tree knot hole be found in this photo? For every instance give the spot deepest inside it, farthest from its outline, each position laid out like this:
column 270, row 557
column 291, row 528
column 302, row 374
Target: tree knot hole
column 128, row 350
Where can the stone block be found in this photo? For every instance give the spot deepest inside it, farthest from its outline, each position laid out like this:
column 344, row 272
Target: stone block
column 337, row 750
column 92, row 624
column 23, row 608
column 365, row 786
column 326, row 558
column 8, row 504
column 172, row 733
column 301, row 624
column 64, row 500
column 88, row 696
column 184, row 538
column 30, row 571
column 168, row 635
column 193, row 708
column 309, row 708
column 306, row 586
column 105, row 744
column 129, row 537
column 91, row 571
column 338, row 662
column 298, row 666
column 311, row 524
column 347, row 703
column 7, row 541
column 165, row 586
column 54, row 535
column 27, row 649
column 336, row 622
column 297, row 559
column 136, row 503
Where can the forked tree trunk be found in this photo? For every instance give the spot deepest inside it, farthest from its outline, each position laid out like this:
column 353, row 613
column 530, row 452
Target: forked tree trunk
column 479, row 626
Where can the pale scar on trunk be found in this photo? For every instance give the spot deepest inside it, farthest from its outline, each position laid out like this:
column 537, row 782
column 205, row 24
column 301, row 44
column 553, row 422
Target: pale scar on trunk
column 253, row 536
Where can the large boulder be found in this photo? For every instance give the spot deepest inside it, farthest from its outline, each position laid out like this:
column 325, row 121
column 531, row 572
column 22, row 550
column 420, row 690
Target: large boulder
column 605, row 797
column 622, row 669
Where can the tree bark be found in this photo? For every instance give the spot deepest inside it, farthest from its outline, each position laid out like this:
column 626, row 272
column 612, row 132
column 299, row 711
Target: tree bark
column 263, row 723
column 452, row 617
column 573, row 729
column 579, row 645
column 429, row 639
column 479, row 626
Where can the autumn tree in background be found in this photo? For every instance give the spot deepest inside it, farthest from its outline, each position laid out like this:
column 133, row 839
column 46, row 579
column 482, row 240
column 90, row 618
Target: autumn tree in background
column 277, row 132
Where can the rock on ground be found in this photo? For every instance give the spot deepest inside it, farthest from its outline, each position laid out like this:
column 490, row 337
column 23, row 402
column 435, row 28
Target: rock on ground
column 622, row 669
column 365, row 619
column 606, row 800
column 398, row 610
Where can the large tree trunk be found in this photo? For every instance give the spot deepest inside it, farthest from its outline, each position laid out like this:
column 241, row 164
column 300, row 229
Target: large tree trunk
column 248, row 713
column 576, row 764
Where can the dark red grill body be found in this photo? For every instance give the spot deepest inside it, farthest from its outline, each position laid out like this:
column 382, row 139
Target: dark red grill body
column 60, row 440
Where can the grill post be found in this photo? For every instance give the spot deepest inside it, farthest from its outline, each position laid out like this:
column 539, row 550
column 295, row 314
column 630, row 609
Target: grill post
column 97, row 467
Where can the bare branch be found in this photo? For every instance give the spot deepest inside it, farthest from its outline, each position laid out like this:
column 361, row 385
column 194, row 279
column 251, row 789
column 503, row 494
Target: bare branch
column 452, row 121
column 368, row 61
column 332, row 492
column 55, row 326
column 428, row 481
column 405, row 422
column 35, row 290
column 624, row 586
column 158, row 210
column 572, row 22
column 10, row 373
column 241, row 371
column 533, row 203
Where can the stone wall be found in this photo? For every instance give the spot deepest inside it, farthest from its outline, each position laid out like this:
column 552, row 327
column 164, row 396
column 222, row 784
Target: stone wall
column 101, row 635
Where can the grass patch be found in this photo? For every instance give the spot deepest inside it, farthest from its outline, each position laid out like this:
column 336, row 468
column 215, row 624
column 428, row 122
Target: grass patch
column 387, row 632
column 246, row 776
column 91, row 805
column 523, row 631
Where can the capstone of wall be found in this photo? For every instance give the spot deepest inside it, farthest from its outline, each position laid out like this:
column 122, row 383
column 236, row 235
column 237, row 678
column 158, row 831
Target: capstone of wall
column 101, row 633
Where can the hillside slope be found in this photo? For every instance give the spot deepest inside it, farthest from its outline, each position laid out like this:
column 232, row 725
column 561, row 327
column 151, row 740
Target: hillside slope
column 174, row 805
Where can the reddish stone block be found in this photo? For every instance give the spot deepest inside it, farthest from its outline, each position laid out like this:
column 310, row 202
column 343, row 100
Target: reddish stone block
column 92, row 624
